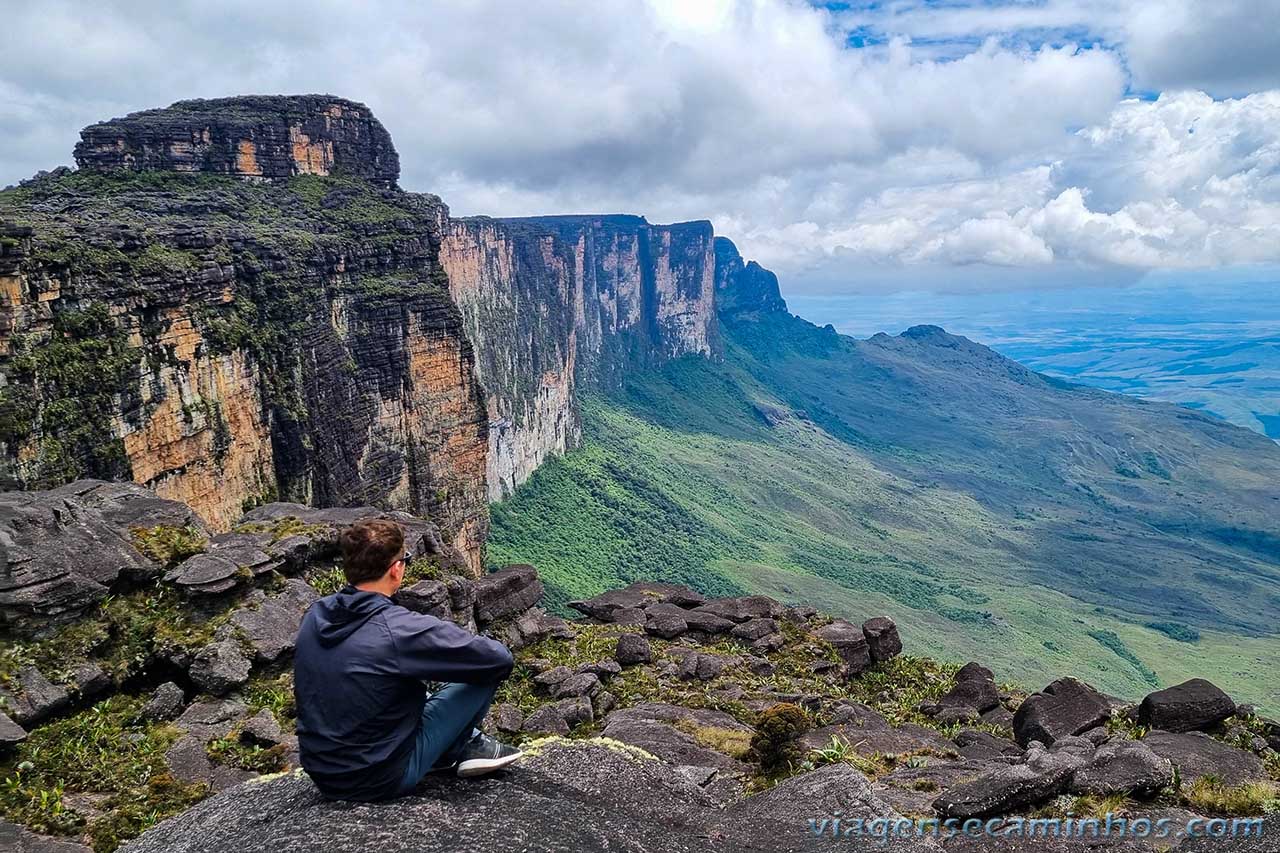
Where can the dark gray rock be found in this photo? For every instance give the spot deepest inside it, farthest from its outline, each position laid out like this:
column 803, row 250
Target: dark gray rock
column 702, row 666
column 531, row 626
column 980, row 745
column 666, row 626
column 1123, row 766
column 211, row 718
column 512, row 589
column 577, row 684
column 632, row 649
column 754, row 629
column 64, row 548
column 637, row 596
column 742, row 608
column 1006, row 788
column 778, row 820
column 506, row 718
column 553, row 676
column 269, row 625
column 11, row 734
column 627, row 616
column 1196, row 754
column 601, row 668
column 1065, row 707
column 559, row 717
column 87, row 680
column 165, row 703
column 220, row 667
column 208, row 574
column 1192, row 705
column 567, row 797
column 653, row 728
column 32, row 698
column 974, row 688
column 430, row 597
column 849, row 642
column 19, row 839
column 882, row 638
column 189, row 762
column 696, row 620
column 262, row 729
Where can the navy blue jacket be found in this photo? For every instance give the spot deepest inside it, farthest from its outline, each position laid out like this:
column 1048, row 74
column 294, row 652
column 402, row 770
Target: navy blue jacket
column 358, row 675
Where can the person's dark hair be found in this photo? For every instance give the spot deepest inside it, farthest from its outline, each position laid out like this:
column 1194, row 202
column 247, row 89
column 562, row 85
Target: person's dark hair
column 369, row 548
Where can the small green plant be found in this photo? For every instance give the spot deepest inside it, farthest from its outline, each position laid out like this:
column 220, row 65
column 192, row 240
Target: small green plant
column 233, row 751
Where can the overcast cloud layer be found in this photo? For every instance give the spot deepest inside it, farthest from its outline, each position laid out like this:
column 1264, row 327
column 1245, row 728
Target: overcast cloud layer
column 891, row 146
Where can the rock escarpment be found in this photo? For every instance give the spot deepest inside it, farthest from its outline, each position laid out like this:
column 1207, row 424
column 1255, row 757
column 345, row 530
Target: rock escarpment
column 265, row 136
column 663, row 720
column 561, row 303
column 227, row 341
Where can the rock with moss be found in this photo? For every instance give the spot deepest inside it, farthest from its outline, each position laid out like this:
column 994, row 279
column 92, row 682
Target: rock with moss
column 65, row 548
column 31, row 697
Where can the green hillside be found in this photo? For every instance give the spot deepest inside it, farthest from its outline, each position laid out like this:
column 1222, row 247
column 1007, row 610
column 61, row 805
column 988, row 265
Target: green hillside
column 996, row 514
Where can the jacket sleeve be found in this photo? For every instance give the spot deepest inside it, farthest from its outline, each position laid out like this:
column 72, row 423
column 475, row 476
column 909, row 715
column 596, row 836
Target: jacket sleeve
column 432, row 649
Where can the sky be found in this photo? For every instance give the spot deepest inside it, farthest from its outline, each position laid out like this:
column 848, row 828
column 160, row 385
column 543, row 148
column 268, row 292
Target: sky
column 851, row 147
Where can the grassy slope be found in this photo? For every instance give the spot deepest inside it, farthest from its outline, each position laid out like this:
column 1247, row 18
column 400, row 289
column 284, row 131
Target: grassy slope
column 684, row 477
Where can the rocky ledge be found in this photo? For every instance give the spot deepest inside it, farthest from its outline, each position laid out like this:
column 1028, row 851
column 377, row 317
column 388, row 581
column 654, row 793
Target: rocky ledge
column 659, row 720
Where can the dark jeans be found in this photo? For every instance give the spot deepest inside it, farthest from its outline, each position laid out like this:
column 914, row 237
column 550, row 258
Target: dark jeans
column 450, row 717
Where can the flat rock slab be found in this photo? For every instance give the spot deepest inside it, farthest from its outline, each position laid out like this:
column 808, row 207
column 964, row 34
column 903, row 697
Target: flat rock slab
column 1196, row 754
column 564, row 798
column 19, row 839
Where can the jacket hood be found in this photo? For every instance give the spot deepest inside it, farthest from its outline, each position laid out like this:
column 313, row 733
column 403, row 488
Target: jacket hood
column 340, row 615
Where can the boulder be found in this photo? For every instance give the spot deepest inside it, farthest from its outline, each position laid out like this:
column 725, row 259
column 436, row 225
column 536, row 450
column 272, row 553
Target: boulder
column 974, row 688
column 32, row 698
column 551, row 677
column 1192, row 705
column 559, row 717
column 632, row 649
column 430, row 597
column 220, row 667
column 63, row 549
column 165, row 703
column 1196, row 754
column 742, row 608
column 601, row 668
column 207, row 574
column 577, row 684
column 211, row 718
column 11, row 734
column 531, row 626
column 849, row 642
column 984, row 746
column 1065, row 707
column 754, row 629
column 269, row 625
column 506, row 718
column 696, row 620
column 189, row 762
column 882, row 638
column 637, row 596
column 702, row 666
column 87, row 680
column 666, row 626
column 511, row 589
column 1009, row 787
column 262, row 729
column 1123, row 766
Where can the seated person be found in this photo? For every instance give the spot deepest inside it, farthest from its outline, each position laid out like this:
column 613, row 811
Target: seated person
column 367, row 727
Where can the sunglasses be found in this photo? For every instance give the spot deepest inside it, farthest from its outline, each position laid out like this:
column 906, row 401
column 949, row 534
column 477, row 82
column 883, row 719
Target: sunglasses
column 407, row 558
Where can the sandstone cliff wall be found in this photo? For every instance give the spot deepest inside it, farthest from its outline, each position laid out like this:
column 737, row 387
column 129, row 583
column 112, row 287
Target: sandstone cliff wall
column 226, row 342
column 558, row 303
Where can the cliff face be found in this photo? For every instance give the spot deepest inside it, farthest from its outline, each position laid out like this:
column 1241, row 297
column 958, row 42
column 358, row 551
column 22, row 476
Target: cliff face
column 228, row 341
column 554, row 304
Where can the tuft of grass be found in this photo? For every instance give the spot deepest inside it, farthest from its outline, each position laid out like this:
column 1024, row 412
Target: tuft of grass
column 232, row 751
column 732, row 742
column 283, row 528
column 1209, row 794
column 168, row 545
column 1097, row 806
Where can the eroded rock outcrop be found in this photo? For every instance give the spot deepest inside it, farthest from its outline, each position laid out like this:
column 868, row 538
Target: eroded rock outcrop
column 227, row 342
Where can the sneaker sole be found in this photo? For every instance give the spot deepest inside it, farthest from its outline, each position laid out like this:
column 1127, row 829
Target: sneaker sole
column 481, row 766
